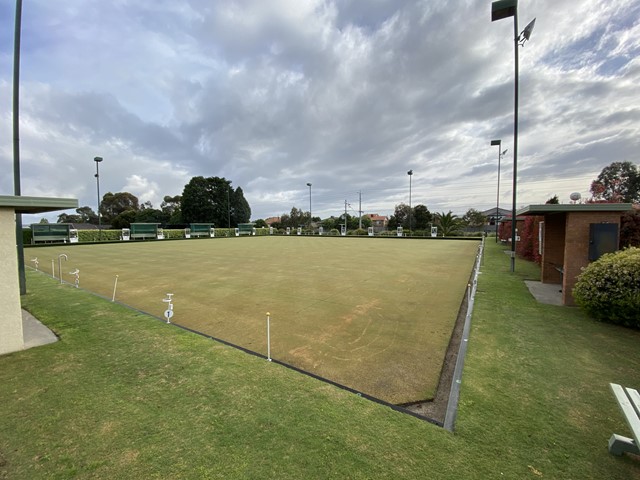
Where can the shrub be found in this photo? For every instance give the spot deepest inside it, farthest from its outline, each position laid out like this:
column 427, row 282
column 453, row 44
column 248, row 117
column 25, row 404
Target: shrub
column 357, row 232
column 609, row 288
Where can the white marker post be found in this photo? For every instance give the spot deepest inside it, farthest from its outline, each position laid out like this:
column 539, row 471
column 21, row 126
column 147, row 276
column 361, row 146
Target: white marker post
column 53, row 268
column 168, row 313
column 268, row 337
column 35, row 261
column 115, row 285
column 76, row 272
column 60, row 264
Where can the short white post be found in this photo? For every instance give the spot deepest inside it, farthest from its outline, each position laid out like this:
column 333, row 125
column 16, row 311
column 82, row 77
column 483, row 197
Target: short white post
column 168, row 313
column 268, row 337
column 115, row 285
column 53, row 268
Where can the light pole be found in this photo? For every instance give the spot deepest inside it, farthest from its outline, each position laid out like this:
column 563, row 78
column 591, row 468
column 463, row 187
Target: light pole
column 500, row 155
column 98, row 160
column 410, row 173
column 309, row 185
column 499, row 10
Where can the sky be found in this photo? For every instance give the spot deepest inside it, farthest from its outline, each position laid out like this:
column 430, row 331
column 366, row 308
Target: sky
column 346, row 95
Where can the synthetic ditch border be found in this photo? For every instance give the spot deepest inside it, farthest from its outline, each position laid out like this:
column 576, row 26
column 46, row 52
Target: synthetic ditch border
column 454, row 388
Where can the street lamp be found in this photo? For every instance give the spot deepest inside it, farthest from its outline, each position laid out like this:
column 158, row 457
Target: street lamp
column 98, row 160
column 500, row 155
column 309, row 185
column 410, row 173
column 499, row 10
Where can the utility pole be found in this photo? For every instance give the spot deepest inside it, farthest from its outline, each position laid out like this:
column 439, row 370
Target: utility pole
column 360, row 211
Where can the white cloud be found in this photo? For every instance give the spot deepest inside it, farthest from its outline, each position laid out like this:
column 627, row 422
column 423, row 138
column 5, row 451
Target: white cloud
column 346, row 95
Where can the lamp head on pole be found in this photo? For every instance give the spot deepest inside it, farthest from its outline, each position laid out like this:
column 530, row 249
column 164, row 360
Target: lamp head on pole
column 97, row 159
column 496, row 142
column 526, row 33
column 503, row 9
column 410, row 172
column 308, row 184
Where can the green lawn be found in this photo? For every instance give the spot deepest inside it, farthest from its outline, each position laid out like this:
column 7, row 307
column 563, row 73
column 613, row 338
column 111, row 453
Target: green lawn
column 373, row 314
column 125, row 396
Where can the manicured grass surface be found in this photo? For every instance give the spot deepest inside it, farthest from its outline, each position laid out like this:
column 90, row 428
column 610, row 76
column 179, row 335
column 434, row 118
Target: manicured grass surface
column 373, row 314
column 125, row 396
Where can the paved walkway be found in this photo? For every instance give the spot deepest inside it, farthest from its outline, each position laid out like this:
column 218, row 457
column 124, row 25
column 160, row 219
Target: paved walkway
column 549, row 293
column 34, row 332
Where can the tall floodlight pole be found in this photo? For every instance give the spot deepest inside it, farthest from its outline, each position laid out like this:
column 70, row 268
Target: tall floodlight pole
column 97, row 175
column 410, row 173
column 499, row 10
column 309, row 185
column 16, row 145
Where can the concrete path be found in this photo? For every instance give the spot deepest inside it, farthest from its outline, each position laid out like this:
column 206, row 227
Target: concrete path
column 548, row 293
column 34, row 332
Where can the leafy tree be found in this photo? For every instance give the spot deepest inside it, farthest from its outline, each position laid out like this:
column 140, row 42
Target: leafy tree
column 82, row 215
column 43, row 220
column 171, row 207
column 260, row 223
column 151, row 215
column 630, row 229
column 294, row 219
column 448, row 223
column 240, row 209
column 553, row 200
column 207, row 200
column 400, row 217
column 618, row 182
column 124, row 219
column 422, row 217
column 473, row 218
column 113, row 204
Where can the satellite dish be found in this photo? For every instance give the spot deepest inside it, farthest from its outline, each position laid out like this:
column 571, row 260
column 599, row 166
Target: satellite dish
column 575, row 196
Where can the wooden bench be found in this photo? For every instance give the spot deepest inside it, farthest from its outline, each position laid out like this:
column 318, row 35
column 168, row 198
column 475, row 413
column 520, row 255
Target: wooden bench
column 629, row 402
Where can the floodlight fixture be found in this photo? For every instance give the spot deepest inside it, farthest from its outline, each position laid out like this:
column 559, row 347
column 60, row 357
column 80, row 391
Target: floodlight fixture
column 499, row 10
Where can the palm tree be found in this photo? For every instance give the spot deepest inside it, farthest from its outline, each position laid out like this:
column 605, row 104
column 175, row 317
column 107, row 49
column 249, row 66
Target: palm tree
column 448, row 223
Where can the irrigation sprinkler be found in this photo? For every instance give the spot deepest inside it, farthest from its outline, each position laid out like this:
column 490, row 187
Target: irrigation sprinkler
column 268, row 336
column 60, row 263
column 35, row 262
column 168, row 313
column 76, row 272
column 115, row 285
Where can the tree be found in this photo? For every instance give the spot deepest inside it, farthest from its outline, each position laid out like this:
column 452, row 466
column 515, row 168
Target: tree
column 473, row 218
column 82, row 215
column 124, row 219
column 207, row 200
column 448, row 223
column 400, row 217
column 553, row 200
column 240, row 209
column 113, row 204
column 171, row 207
column 618, row 182
column 260, row 223
column 422, row 217
column 294, row 219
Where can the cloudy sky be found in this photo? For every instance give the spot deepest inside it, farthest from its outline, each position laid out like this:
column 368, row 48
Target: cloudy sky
column 348, row 95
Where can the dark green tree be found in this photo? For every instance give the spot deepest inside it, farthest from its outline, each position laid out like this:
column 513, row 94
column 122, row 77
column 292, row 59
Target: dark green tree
column 618, row 182
column 473, row 218
column 240, row 209
column 82, row 215
column 171, row 206
column 553, row 200
column 260, row 223
column 213, row 200
column 422, row 217
column 296, row 218
column 113, row 204
column 124, row 219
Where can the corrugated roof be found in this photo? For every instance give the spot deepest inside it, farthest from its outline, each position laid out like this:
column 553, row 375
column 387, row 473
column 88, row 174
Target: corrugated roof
column 37, row 204
column 578, row 207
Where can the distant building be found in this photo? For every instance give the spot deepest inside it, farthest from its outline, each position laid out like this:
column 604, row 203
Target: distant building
column 271, row 220
column 494, row 215
column 378, row 222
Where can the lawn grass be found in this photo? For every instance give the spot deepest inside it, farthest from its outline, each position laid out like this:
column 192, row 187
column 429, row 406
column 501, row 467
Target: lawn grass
column 123, row 395
column 373, row 314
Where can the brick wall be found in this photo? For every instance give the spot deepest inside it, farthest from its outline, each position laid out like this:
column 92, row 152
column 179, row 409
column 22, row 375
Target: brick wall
column 576, row 249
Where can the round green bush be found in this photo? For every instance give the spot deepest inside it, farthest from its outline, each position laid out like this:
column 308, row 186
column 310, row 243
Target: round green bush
column 609, row 288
